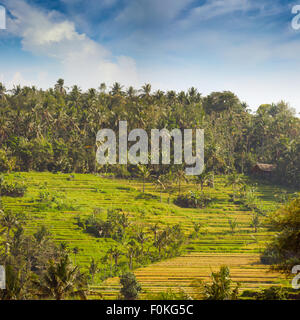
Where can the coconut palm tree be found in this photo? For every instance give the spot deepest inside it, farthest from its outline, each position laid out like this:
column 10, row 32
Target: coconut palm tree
column 8, row 221
column 154, row 228
column 116, row 89
column 141, row 237
column 93, row 269
column 131, row 92
column 146, row 90
column 2, row 92
column 179, row 177
column 102, row 87
column 132, row 250
column 232, row 224
column 220, row 287
column 159, row 183
column 61, row 280
column 59, row 86
column 144, row 173
column 116, row 253
column 75, row 251
column 255, row 223
column 234, row 180
column 202, row 178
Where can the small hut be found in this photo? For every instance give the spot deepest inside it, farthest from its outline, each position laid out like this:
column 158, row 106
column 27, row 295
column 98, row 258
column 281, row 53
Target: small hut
column 263, row 169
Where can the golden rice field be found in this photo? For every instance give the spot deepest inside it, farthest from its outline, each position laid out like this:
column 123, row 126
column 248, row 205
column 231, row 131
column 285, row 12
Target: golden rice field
column 179, row 273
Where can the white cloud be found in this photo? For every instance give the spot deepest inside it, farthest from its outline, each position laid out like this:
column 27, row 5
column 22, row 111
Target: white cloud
column 225, row 11
column 17, row 79
column 176, row 45
column 82, row 60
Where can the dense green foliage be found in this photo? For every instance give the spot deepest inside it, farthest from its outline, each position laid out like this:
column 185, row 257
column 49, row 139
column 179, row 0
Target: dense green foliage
column 220, row 287
column 130, row 287
column 55, row 129
column 284, row 250
column 115, row 227
column 11, row 189
column 193, row 200
column 35, row 267
column 272, row 293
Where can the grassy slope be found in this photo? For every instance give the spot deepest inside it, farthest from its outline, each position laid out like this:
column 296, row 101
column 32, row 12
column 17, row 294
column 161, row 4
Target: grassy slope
column 88, row 192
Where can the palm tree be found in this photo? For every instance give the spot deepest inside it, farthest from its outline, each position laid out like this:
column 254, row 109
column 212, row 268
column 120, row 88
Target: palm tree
column 141, row 237
column 75, row 251
column 220, row 287
column 255, row 223
column 61, row 280
column 102, row 87
column 8, row 221
column 161, row 241
column 146, row 89
column 42, row 235
column 179, row 177
column 93, row 269
column 202, row 178
column 234, row 180
column 59, row 86
column 197, row 226
column 171, row 96
column 159, row 95
column 109, row 256
column 63, row 247
column 132, row 249
column 159, row 183
column 131, row 92
column 154, row 228
column 116, row 253
column 116, row 89
column 232, row 224
column 182, row 97
column 14, row 290
column 2, row 92
column 144, row 173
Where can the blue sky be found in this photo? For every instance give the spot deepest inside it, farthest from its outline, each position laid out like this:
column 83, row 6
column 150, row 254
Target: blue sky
column 246, row 46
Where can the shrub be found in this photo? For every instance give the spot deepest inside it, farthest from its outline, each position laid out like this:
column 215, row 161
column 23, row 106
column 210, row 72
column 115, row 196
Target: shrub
column 220, row 287
column 7, row 163
column 270, row 256
column 193, row 200
column 272, row 293
column 130, row 286
column 12, row 189
column 113, row 227
column 284, row 250
column 54, row 200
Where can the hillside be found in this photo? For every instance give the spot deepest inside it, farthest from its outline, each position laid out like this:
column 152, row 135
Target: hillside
column 85, row 194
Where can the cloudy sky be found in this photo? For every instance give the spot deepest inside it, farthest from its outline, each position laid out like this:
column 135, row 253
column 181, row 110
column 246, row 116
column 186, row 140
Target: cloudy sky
column 246, row 46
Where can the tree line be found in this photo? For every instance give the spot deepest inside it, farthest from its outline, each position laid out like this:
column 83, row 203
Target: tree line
column 55, row 129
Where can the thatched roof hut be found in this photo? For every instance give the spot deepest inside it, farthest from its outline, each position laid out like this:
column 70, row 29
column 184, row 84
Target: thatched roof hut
column 263, row 168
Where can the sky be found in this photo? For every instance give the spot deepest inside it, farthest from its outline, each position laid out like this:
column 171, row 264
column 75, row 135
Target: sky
column 245, row 46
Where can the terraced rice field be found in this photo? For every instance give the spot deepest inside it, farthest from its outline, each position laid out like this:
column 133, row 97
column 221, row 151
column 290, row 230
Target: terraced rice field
column 215, row 245
column 179, row 273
